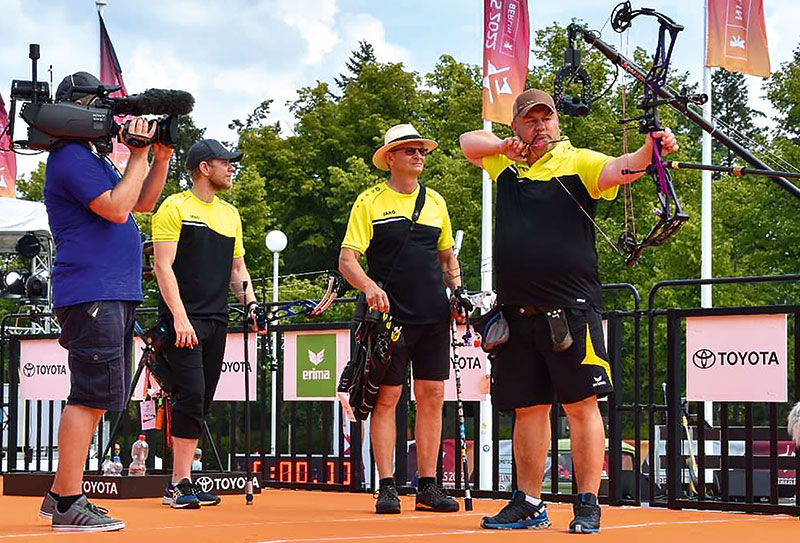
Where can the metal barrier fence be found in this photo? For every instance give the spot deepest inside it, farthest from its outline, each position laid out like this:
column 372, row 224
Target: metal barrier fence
column 310, row 445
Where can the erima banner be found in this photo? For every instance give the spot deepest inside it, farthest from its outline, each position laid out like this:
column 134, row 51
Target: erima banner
column 231, row 380
column 506, row 41
column 312, row 363
column 740, row 358
column 737, row 36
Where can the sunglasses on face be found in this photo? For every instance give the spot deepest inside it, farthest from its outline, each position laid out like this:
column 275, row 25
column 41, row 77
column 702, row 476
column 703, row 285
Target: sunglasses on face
column 411, row 151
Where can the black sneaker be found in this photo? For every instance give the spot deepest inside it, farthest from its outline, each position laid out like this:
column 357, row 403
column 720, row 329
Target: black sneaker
column 587, row 515
column 518, row 514
column 432, row 497
column 388, row 501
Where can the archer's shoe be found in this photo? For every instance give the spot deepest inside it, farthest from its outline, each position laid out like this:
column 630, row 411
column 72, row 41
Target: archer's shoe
column 434, row 498
column 587, row 515
column 183, row 496
column 205, row 498
column 83, row 516
column 388, row 501
column 518, row 514
column 48, row 506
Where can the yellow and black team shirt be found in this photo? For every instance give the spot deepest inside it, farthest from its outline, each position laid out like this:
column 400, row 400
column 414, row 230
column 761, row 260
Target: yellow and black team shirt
column 379, row 223
column 544, row 249
column 209, row 237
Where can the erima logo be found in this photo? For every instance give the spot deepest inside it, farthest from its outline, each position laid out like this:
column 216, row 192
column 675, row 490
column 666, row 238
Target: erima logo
column 195, row 217
column 316, row 375
column 599, row 381
column 389, row 212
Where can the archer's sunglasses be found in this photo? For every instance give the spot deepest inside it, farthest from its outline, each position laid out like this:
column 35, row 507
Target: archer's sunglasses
column 411, row 151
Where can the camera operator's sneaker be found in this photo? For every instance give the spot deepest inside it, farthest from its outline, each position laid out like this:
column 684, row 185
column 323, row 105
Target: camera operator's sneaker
column 432, row 497
column 587, row 515
column 182, row 495
column 83, row 516
column 518, row 514
column 388, row 501
column 48, row 506
column 205, row 498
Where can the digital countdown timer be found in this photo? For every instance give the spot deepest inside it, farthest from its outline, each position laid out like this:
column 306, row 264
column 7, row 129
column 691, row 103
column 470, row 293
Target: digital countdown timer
column 305, row 470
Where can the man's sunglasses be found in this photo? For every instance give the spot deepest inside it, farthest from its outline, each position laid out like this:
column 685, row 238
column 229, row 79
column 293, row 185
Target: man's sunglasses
column 411, row 151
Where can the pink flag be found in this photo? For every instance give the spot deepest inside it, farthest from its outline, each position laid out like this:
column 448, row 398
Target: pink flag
column 8, row 160
column 506, row 41
column 111, row 75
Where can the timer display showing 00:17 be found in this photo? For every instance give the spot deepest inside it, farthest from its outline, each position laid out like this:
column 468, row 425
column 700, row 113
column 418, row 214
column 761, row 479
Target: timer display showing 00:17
column 302, row 471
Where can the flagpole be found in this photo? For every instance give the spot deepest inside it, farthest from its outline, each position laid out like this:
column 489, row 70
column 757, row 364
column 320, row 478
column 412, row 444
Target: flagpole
column 100, row 5
column 706, row 270
column 485, row 482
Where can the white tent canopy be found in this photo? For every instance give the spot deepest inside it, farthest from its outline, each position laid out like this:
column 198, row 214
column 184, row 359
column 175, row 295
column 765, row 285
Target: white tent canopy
column 18, row 217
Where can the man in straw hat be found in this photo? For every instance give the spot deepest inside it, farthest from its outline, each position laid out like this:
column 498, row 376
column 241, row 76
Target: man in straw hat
column 404, row 230
column 547, row 280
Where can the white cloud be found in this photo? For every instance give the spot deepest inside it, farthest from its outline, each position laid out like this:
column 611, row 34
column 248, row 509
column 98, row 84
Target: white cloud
column 314, row 20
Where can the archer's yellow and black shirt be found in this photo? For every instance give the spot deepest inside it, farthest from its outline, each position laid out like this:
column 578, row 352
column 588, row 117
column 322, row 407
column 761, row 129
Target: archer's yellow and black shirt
column 379, row 223
column 209, row 237
column 544, row 249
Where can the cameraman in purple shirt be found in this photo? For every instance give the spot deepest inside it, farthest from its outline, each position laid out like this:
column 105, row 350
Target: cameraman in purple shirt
column 96, row 283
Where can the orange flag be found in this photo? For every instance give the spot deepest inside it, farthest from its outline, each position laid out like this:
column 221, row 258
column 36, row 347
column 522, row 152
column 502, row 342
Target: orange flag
column 737, row 36
column 506, row 41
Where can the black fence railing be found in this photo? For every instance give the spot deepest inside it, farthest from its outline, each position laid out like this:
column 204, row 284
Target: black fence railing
column 745, row 461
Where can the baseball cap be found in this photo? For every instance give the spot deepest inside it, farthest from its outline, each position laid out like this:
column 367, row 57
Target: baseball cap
column 205, row 150
column 530, row 99
column 78, row 79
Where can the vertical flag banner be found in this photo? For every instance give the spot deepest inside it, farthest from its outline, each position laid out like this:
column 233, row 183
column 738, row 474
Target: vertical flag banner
column 111, row 75
column 737, row 36
column 8, row 160
column 506, row 41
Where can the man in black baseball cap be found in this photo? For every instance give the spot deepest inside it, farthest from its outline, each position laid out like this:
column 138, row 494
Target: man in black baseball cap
column 196, row 230
column 208, row 150
column 65, row 91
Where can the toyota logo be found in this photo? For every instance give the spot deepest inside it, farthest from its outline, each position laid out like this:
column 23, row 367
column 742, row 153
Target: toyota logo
column 703, row 359
column 29, row 369
column 205, row 483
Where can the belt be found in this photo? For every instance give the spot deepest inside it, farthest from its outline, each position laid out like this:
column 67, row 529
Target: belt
column 531, row 310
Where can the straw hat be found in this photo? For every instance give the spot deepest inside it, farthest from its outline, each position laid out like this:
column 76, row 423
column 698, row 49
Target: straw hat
column 398, row 135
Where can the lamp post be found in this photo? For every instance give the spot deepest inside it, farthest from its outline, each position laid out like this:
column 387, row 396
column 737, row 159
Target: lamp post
column 276, row 242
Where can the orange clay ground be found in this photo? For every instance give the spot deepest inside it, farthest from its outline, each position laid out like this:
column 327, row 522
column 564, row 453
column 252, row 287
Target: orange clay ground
column 300, row 516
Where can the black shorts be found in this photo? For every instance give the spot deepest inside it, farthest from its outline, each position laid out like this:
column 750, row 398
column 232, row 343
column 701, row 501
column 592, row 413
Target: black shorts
column 526, row 370
column 195, row 375
column 99, row 338
column 428, row 348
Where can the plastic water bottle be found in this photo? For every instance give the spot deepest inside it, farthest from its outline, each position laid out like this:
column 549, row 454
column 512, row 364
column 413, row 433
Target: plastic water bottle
column 115, row 467
column 108, row 467
column 139, row 452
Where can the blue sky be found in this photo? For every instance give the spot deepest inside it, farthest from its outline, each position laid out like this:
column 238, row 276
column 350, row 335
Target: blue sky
column 232, row 55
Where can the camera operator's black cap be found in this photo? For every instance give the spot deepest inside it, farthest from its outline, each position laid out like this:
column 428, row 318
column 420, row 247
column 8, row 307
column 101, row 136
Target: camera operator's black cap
column 205, row 150
column 78, row 79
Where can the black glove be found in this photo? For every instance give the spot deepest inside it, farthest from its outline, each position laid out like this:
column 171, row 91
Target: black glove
column 460, row 306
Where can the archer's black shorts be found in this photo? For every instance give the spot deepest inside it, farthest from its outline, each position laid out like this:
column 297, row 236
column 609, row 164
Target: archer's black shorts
column 527, row 371
column 195, row 374
column 99, row 338
column 428, row 348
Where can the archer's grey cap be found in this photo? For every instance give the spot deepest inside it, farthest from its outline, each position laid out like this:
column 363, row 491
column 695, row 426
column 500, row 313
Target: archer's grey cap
column 205, row 150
